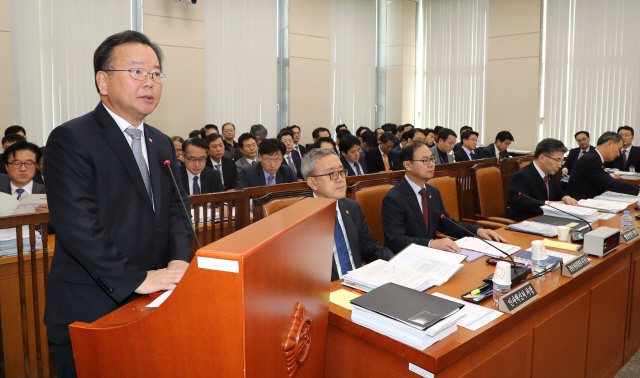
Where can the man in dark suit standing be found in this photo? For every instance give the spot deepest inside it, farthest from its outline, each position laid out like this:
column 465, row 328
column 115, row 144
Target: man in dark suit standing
column 629, row 157
column 295, row 129
column 413, row 209
column 350, row 156
column 21, row 159
column 377, row 159
column 291, row 157
column 467, row 150
column 582, row 137
column 353, row 241
column 407, row 136
column 458, row 145
column 196, row 176
column 538, row 181
column 270, row 170
column 223, row 167
column 589, row 178
column 499, row 147
column 120, row 226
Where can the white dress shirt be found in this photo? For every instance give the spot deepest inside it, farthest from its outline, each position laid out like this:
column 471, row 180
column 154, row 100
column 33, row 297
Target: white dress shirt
column 28, row 189
column 122, row 124
column 467, row 152
column 219, row 165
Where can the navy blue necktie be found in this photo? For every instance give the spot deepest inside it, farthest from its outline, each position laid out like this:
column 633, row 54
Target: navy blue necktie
column 20, row 192
column 196, row 187
column 358, row 171
column 341, row 248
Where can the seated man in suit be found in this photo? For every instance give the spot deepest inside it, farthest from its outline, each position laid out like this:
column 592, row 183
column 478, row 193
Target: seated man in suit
column 291, row 157
column 295, row 129
column 368, row 140
column 469, row 142
column 270, row 171
column 441, row 150
column 195, row 174
column 317, row 133
column 499, row 147
column 223, row 166
column 7, row 141
column 377, row 159
column 629, row 157
column 249, row 148
column 430, row 138
column 589, row 177
column 340, row 134
column 584, row 146
column 21, row 159
column 407, row 136
column 458, row 145
column 538, row 181
column 350, row 156
column 413, row 210
column 177, row 144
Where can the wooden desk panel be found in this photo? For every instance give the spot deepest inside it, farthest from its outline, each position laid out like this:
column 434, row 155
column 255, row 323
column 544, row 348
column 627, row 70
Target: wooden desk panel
column 632, row 342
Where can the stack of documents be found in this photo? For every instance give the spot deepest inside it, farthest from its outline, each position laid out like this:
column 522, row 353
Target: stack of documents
column 411, row 317
column 619, row 197
column 478, row 245
column 588, row 214
column 415, row 267
column 26, row 205
column 604, row 206
column 535, row 228
column 9, row 243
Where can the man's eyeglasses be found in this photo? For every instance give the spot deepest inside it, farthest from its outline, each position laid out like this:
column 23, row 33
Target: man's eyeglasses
column 17, row 164
column 334, row 175
column 559, row 161
column 431, row 160
column 197, row 160
column 141, row 75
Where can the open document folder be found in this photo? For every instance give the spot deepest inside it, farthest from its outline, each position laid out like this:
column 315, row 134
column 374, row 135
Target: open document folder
column 26, row 205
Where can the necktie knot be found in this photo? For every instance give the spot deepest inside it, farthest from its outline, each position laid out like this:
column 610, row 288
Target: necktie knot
column 253, row 162
column 423, row 193
column 271, row 180
column 20, row 192
column 133, row 132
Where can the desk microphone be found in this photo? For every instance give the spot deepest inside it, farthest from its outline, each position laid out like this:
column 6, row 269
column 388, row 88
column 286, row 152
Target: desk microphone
column 518, row 273
column 164, row 156
column 576, row 236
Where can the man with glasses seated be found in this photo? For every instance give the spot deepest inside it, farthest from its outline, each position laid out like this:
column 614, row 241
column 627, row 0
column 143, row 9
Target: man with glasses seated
column 195, row 174
column 467, row 149
column 21, row 159
column 537, row 180
column 442, row 150
column 353, row 242
column 413, row 210
column 270, row 170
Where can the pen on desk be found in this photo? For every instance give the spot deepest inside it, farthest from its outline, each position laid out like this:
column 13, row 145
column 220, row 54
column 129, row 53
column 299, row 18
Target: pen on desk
column 358, row 291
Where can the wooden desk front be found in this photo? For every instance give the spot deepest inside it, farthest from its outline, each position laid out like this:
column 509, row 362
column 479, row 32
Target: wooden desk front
column 588, row 326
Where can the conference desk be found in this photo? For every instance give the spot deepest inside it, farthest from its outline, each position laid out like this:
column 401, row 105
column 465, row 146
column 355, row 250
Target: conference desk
column 588, row 326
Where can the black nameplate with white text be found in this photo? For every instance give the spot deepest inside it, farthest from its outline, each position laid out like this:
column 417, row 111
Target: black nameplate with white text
column 576, row 266
column 629, row 235
column 517, row 299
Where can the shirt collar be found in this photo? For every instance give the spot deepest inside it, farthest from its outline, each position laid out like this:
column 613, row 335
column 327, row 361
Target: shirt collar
column 601, row 158
column 415, row 187
column 540, row 172
column 191, row 175
column 27, row 188
column 467, row 151
column 267, row 174
column 122, row 124
column 381, row 153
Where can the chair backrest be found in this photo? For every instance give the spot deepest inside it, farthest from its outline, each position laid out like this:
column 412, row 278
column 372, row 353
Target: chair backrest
column 278, row 204
column 370, row 199
column 524, row 161
column 447, row 185
column 487, row 180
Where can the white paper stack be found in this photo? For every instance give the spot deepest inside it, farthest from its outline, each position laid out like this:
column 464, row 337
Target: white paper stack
column 604, row 206
column 405, row 333
column 620, row 197
column 588, row 214
column 9, row 243
column 475, row 244
column 381, row 272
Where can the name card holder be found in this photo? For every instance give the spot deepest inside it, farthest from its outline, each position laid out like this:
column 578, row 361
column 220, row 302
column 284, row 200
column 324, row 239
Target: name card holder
column 629, row 236
column 576, row 266
column 517, row 299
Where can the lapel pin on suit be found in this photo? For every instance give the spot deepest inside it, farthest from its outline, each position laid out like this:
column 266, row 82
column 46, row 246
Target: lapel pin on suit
column 150, row 141
column 429, row 196
column 347, row 211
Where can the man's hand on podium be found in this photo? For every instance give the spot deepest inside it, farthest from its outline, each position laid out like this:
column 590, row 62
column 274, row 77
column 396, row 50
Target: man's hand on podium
column 163, row 279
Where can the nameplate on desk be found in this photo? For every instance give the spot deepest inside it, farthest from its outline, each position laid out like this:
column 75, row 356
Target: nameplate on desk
column 218, row 264
column 629, row 236
column 576, row 266
column 517, row 299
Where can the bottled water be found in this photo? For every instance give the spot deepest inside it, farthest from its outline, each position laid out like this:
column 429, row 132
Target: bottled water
column 500, row 290
column 626, row 221
column 538, row 266
column 538, row 256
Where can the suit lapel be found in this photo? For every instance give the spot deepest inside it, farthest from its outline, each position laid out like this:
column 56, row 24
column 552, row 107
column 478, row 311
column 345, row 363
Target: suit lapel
column 6, row 188
column 413, row 203
column 260, row 173
column 154, row 169
column 118, row 143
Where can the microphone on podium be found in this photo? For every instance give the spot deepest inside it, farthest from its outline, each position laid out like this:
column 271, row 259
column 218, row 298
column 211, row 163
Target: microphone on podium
column 576, row 236
column 164, row 156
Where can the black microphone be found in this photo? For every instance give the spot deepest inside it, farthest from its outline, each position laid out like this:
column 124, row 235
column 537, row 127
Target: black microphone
column 576, row 236
column 518, row 273
column 164, row 155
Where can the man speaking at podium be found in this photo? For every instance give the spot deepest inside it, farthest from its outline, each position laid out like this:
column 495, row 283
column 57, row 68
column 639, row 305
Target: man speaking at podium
column 119, row 227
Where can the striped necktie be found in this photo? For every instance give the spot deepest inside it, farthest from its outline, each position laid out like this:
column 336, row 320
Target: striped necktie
column 136, row 147
column 341, row 248
column 20, row 192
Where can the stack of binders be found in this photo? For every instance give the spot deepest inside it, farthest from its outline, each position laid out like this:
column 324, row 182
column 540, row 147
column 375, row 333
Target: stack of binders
column 412, row 317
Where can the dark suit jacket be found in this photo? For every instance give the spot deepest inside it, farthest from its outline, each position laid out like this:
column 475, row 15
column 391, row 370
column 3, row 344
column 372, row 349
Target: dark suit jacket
column 403, row 221
column 363, row 245
column 571, row 159
column 303, row 150
column 458, row 146
column 374, row 160
column 108, row 232
column 5, row 187
column 254, row 176
column 461, row 155
column 632, row 160
column 529, row 182
column 589, row 179
column 229, row 172
column 209, row 182
column 231, row 151
column 490, row 152
column 4, row 179
column 395, row 160
column 347, row 166
column 297, row 162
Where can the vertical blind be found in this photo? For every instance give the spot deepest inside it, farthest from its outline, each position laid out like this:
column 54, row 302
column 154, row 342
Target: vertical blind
column 52, row 45
column 451, row 63
column 353, row 63
column 591, row 64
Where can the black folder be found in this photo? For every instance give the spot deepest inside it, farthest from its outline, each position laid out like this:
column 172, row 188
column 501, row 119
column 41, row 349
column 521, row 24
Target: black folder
column 558, row 221
column 415, row 308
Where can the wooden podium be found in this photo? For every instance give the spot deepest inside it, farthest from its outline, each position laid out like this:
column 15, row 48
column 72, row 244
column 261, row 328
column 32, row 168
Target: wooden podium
column 253, row 304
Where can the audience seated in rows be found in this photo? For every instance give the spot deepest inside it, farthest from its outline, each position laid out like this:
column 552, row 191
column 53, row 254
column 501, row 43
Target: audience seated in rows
column 224, row 167
column 584, row 146
column 291, row 157
column 197, row 178
column 249, row 148
column 629, row 157
column 407, row 136
column 232, row 148
column 498, row 149
column 270, row 171
column 459, row 144
column 466, row 151
column 300, row 149
column 377, row 159
column 442, row 150
column 351, row 157
column 260, row 132
column 319, row 132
